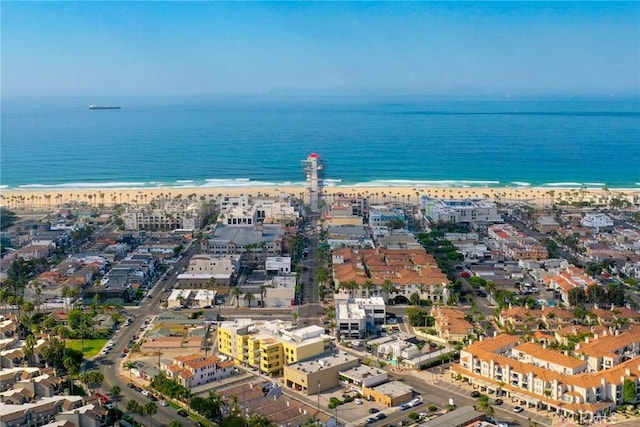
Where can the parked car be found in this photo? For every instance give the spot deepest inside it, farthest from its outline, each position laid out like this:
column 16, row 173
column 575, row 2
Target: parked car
column 370, row 420
column 130, row 385
column 182, row 413
column 518, row 409
column 373, row 410
column 498, row 402
column 163, row 402
column 380, row 416
column 475, row 394
column 357, row 401
column 138, row 389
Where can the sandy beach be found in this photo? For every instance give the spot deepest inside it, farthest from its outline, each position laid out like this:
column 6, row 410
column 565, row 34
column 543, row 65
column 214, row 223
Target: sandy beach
column 51, row 198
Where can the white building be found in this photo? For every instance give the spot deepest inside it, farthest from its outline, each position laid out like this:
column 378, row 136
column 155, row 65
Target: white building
column 194, row 369
column 222, row 266
column 383, row 215
column 278, row 265
column 191, row 298
column 461, row 210
column 596, row 220
column 355, row 317
column 398, row 349
column 170, row 215
column 363, row 376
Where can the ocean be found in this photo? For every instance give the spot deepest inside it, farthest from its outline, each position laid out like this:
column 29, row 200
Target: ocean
column 366, row 141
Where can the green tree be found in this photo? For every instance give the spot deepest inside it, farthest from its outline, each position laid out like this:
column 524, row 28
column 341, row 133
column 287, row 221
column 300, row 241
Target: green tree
column 150, row 409
column 133, row 407
column 629, row 390
column 415, row 298
column 175, row 423
column 237, row 293
column 248, row 296
column 576, row 297
column 484, row 405
column 116, row 392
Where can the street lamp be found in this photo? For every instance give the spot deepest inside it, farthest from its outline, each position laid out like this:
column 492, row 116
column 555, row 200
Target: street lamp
column 318, row 391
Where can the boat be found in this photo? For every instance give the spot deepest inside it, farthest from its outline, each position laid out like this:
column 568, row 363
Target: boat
column 99, row 107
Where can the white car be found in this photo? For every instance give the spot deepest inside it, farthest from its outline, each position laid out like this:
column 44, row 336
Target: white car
column 357, row 401
column 163, row 402
column 145, row 392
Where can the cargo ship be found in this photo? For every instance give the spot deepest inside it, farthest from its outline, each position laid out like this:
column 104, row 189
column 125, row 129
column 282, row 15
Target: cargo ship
column 98, row 107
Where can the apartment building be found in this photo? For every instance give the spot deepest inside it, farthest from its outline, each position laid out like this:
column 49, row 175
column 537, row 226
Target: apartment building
column 271, row 344
column 516, row 245
column 567, row 279
column 451, row 324
column 584, row 385
column 460, row 210
column 358, row 317
column 193, row 370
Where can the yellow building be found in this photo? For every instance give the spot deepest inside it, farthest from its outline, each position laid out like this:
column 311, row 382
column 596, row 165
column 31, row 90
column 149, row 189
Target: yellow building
column 270, row 345
column 389, row 394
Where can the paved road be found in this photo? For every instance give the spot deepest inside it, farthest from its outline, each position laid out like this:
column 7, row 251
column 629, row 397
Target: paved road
column 108, row 364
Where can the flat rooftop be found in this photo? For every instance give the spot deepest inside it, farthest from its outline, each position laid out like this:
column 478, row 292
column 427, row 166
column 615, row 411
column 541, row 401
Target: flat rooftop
column 243, row 235
column 320, row 363
column 393, row 389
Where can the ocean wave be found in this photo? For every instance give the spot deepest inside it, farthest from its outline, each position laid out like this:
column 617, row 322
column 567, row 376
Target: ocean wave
column 562, row 184
column 418, row 183
column 82, row 185
column 595, row 184
column 521, row 183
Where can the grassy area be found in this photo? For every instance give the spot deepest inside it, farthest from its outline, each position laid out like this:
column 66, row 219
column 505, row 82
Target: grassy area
column 91, row 347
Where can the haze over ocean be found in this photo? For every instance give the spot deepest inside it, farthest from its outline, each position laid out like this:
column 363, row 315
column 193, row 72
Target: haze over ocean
column 224, row 141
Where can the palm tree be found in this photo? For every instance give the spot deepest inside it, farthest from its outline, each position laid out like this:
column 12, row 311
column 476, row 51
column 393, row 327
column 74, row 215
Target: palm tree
column 150, row 408
column 133, row 407
column 236, row 292
column 72, row 369
column 263, row 291
column 368, row 285
column 116, row 392
column 129, row 366
column 484, row 405
column 387, row 288
column 248, row 296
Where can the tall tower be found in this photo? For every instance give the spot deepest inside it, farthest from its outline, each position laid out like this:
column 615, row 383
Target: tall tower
column 314, row 169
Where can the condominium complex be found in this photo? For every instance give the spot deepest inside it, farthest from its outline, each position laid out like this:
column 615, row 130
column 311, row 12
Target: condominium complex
column 269, row 345
column 195, row 369
column 363, row 272
column 460, row 210
column 168, row 215
column 597, row 220
column 583, row 384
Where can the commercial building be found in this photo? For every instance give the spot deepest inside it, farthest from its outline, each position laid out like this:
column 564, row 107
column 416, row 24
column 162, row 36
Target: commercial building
column 278, row 265
column 195, row 298
column 460, row 210
column 319, row 374
column 265, row 240
column 599, row 221
column 385, row 215
column 357, row 317
column 363, row 376
column 270, row 345
column 393, row 393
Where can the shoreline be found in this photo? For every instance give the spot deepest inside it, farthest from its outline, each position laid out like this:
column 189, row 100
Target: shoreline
column 95, row 196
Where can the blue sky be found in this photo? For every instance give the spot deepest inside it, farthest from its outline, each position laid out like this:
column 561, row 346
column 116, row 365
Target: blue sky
column 179, row 48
